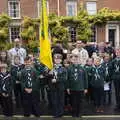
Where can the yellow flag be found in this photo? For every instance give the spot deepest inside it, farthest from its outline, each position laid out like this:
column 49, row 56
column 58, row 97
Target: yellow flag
column 45, row 44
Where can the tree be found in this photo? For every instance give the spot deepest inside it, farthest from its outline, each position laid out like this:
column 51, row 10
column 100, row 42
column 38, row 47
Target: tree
column 4, row 32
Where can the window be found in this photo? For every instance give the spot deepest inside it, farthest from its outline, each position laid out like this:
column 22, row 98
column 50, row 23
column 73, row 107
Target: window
column 14, row 8
column 71, row 8
column 14, row 32
column 39, row 7
column 72, row 32
column 91, row 8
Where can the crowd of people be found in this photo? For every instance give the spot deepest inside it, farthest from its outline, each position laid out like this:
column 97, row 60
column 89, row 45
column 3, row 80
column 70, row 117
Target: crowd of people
column 85, row 71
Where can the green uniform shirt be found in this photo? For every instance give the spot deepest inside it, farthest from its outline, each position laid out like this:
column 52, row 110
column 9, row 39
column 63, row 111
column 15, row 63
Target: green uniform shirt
column 77, row 78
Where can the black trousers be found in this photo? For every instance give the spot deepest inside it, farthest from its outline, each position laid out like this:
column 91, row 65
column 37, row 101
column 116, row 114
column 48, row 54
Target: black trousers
column 117, row 91
column 98, row 96
column 7, row 105
column 31, row 104
column 76, row 98
column 57, row 102
column 18, row 95
column 67, row 98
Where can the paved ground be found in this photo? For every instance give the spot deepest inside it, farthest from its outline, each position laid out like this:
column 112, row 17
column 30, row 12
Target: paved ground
column 88, row 112
column 67, row 118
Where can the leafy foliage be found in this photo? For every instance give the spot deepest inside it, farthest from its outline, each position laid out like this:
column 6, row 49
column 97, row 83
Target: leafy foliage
column 104, row 15
column 4, row 32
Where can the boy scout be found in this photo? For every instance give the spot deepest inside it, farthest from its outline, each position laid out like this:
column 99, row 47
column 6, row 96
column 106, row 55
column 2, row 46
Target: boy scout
column 97, row 82
column 30, row 88
column 15, row 73
column 57, row 86
column 88, row 67
column 108, row 81
column 77, row 84
column 116, row 77
column 6, row 90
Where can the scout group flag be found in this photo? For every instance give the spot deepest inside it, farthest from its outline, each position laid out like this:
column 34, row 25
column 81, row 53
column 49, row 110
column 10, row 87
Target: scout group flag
column 45, row 45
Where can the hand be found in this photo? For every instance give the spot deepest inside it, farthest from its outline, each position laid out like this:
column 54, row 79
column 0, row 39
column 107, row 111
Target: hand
column 85, row 91
column 41, row 76
column 53, row 80
column 28, row 90
column 51, row 72
column 68, row 91
column 5, row 95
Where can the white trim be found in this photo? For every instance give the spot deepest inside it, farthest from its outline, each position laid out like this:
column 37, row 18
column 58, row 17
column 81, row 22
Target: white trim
column 106, row 33
column 96, row 33
column 117, row 33
column 10, row 34
column 39, row 5
column 91, row 7
column 58, row 7
column 117, row 43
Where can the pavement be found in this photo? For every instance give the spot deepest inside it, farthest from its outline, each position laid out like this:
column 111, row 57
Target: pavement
column 87, row 112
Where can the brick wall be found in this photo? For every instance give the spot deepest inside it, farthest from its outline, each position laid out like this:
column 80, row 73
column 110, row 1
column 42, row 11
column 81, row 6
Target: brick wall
column 29, row 8
column 3, row 6
column 112, row 4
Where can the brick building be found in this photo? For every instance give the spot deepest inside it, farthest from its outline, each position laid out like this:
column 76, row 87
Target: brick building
column 19, row 8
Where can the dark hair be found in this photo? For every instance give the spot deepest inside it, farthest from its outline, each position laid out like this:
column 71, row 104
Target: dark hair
column 27, row 58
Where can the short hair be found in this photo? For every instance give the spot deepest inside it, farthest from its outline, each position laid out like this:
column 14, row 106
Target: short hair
column 27, row 58
column 57, row 56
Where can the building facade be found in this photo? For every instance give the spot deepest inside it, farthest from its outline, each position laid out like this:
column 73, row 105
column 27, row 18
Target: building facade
column 17, row 9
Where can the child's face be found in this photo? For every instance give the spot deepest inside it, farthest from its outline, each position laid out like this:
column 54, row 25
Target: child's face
column 106, row 58
column 74, row 59
column 97, row 62
column 57, row 60
column 66, row 64
column 17, row 61
column 89, row 62
column 3, row 54
column 28, row 63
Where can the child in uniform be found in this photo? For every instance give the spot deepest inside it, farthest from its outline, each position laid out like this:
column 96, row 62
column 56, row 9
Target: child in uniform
column 15, row 73
column 77, row 84
column 30, row 89
column 116, row 77
column 6, row 90
column 97, row 82
column 58, row 86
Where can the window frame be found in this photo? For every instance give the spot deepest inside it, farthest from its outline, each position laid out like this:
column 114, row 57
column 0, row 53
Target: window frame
column 71, row 3
column 10, row 32
column 9, row 9
column 91, row 3
column 39, row 8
